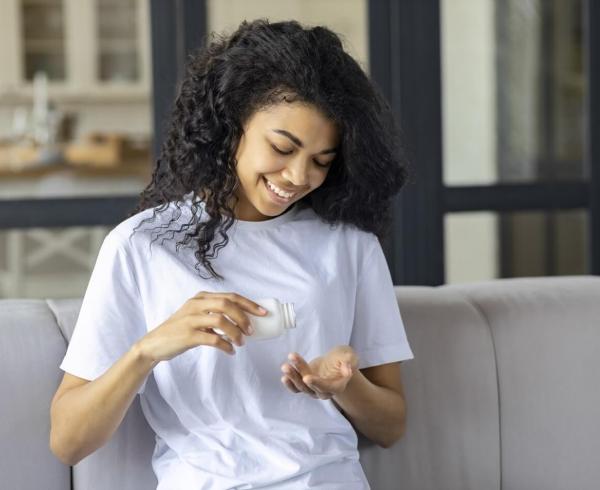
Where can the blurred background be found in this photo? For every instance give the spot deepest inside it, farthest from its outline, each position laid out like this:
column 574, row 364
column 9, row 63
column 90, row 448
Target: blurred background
column 495, row 99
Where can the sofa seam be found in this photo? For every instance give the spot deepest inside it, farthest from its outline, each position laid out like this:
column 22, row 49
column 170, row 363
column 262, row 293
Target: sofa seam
column 52, row 310
column 49, row 305
column 481, row 312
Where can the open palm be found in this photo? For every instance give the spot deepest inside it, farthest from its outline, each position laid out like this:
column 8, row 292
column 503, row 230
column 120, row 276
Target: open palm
column 324, row 376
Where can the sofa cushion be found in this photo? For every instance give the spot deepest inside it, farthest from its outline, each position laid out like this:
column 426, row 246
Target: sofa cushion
column 31, row 347
column 546, row 336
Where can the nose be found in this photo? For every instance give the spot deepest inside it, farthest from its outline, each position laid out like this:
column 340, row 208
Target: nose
column 297, row 173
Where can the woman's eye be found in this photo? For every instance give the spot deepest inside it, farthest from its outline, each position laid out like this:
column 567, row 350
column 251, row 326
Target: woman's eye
column 287, row 153
column 279, row 151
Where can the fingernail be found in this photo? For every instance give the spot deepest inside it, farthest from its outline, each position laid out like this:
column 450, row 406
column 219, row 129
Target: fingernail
column 250, row 329
column 261, row 309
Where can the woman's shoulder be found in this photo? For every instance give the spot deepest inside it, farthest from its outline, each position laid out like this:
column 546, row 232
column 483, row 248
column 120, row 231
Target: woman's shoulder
column 139, row 228
column 341, row 231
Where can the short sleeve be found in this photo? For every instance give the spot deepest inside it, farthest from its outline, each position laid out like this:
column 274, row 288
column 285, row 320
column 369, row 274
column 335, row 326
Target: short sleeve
column 111, row 317
column 378, row 334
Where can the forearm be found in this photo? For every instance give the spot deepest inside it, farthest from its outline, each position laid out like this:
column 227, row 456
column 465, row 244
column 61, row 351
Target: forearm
column 377, row 412
column 84, row 418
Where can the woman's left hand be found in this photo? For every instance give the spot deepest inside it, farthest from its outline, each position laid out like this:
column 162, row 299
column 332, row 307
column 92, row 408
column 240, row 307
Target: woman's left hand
column 324, row 376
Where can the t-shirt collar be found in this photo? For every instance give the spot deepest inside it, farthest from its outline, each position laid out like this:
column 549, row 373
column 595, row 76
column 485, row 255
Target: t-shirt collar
column 286, row 216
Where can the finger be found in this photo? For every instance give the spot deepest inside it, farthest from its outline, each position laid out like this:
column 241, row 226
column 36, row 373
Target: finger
column 316, row 384
column 288, row 382
column 321, row 392
column 329, row 386
column 202, row 337
column 227, row 329
column 249, row 305
column 342, row 369
column 348, row 369
column 242, row 301
column 297, row 377
column 302, row 367
column 299, row 363
column 216, row 321
column 224, row 306
column 235, row 333
column 297, row 380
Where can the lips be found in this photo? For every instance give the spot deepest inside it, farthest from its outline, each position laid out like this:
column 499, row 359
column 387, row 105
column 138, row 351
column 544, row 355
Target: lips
column 282, row 188
column 278, row 199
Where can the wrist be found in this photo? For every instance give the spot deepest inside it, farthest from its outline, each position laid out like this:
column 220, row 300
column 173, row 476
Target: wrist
column 355, row 383
column 142, row 356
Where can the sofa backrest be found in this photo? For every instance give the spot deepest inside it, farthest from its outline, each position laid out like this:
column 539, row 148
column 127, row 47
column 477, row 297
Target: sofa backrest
column 503, row 393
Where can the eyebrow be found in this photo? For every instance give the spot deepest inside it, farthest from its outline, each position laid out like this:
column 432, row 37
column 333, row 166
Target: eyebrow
column 299, row 143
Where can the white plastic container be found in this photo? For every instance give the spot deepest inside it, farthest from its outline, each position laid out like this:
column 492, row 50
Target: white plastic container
column 279, row 318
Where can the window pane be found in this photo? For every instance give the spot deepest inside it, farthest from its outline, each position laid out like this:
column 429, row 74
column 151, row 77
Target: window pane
column 118, row 66
column 513, row 91
column 89, row 134
column 43, row 38
column 48, row 262
column 347, row 18
column 487, row 245
column 117, row 40
column 53, row 64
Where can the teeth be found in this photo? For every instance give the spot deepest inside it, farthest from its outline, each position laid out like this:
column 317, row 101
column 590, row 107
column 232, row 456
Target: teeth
column 278, row 191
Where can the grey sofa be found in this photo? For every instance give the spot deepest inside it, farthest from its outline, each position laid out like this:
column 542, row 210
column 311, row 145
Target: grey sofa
column 503, row 393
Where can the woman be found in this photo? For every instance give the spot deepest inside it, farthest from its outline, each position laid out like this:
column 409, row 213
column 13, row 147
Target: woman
column 280, row 146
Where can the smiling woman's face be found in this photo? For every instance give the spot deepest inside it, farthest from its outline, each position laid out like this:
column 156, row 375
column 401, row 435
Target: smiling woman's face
column 308, row 140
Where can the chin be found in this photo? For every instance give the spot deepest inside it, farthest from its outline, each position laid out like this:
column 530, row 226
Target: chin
column 273, row 210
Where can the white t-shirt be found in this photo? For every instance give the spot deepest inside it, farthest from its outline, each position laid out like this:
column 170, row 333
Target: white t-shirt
column 223, row 421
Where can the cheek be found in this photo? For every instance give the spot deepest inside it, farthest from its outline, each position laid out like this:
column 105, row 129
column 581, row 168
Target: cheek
column 253, row 161
column 266, row 165
column 252, row 174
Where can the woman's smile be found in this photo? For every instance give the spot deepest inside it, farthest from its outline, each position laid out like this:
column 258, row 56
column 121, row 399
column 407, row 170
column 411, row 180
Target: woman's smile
column 274, row 196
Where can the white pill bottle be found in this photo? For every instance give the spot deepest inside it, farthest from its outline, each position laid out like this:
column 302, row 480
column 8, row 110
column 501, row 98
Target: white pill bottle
column 280, row 317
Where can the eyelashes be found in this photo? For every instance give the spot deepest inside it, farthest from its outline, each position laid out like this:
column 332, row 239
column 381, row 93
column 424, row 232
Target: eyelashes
column 277, row 150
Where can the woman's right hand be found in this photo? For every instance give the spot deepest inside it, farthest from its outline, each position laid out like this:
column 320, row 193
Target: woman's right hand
column 192, row 324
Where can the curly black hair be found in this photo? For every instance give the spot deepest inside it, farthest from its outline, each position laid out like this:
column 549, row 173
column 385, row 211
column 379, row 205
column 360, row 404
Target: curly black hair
column 259, row 65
